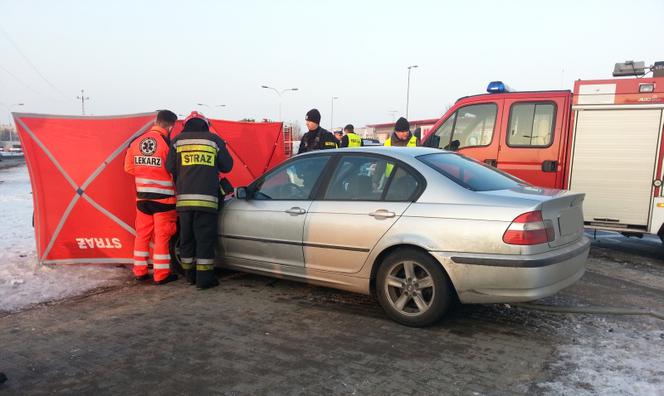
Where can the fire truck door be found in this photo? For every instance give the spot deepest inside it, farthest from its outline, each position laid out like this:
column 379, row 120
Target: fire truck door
column 531, row 140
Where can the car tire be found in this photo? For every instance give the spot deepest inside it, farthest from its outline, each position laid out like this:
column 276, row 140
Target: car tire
column 413, row 288
column 174, row 250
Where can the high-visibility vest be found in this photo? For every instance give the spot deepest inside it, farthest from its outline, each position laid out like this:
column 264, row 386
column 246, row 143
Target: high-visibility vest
column 411, row 143
column 354, row 140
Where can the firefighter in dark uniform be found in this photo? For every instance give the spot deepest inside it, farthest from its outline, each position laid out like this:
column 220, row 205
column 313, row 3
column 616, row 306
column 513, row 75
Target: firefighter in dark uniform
column 316, row 138
column 196, row 158
column 351, row 139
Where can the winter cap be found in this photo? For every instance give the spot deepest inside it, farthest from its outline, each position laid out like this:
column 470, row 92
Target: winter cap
column 313, row 115
column 402, row 125
column 349, row 128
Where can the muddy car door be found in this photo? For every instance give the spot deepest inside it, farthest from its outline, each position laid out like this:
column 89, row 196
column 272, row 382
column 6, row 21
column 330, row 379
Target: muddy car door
column 365, row 196
column 266, row 227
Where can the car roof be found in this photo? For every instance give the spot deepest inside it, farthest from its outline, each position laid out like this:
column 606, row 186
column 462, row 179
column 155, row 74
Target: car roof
column 397, row 152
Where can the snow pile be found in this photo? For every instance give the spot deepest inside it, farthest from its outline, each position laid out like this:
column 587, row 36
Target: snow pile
column 622, row 361
column 22, row 281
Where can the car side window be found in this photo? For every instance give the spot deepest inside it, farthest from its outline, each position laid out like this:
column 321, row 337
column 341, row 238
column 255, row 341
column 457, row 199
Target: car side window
column 293, row 181
column 402, row 187
column 531, row 124
column 359, row 178
column 470, row 126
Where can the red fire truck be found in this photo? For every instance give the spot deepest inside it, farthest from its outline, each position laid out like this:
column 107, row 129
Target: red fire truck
column 603, row 139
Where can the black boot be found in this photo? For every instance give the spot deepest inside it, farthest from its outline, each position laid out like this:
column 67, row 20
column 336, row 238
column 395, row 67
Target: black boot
column 190, row 274
column 170, row 278
column 206, row 280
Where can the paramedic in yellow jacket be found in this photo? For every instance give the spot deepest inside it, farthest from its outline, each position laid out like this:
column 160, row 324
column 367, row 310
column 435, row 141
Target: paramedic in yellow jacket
column 402, row 136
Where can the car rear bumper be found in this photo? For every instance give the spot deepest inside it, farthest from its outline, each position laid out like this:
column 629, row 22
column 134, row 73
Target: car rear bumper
column 514, row 278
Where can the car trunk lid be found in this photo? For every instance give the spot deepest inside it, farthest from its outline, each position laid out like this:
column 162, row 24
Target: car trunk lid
column 564, row 209
column 566, row 213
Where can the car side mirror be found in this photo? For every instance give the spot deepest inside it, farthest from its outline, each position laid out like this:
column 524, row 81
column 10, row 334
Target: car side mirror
column 241, row 193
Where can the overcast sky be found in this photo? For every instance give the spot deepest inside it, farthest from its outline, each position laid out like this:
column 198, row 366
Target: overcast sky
column 137, row 56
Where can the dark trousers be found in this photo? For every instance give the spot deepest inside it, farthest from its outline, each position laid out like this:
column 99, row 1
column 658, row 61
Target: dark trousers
column 198, row 237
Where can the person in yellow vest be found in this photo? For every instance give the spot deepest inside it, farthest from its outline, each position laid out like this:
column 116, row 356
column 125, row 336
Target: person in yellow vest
column 350, row 139
column 402, row 136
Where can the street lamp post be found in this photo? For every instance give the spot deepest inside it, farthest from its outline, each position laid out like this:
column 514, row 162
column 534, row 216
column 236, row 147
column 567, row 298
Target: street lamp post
column 279, row 94
column 332, row 113
column 83, row 98
column 210, row 107
column 408, row 88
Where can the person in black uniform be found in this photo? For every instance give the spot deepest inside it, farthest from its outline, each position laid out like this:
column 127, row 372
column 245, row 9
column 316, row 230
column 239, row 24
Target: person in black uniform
column 196, row 158
column 316, row 138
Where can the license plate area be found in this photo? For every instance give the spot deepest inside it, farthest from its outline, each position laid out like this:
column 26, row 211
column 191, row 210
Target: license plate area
column 570, row 222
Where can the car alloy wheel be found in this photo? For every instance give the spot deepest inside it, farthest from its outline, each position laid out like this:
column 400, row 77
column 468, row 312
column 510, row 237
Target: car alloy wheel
column 409, row 288
column 413, row 288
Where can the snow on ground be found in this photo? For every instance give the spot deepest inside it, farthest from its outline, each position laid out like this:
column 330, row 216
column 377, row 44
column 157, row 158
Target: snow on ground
column 619, row 362
column 22, row 281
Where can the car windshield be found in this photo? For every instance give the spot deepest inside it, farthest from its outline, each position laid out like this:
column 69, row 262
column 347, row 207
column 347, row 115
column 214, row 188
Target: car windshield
column 469, row 173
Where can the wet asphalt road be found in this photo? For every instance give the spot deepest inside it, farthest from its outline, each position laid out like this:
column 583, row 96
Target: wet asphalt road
column 256, row 335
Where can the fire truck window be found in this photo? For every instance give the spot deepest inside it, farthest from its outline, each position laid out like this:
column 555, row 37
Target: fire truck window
column 468, row 127
column 474, row 125
column 444, row 132
column 531, row 124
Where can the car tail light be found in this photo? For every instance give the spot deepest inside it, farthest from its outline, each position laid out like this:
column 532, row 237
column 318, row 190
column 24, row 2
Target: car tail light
column 529, row 229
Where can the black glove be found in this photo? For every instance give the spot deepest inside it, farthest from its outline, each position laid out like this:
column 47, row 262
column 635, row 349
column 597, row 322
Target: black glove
column 225, row 187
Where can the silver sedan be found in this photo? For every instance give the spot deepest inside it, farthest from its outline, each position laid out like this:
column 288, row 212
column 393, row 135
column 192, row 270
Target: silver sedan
column 419, row 228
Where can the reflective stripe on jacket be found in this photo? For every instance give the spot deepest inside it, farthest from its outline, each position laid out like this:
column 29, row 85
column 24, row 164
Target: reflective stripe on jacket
column 146, row 161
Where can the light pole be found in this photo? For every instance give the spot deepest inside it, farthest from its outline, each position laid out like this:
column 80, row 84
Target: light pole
column 280, row 93
column 408, row 88
column 83, row 98
column 210, row 107
column 332, row 113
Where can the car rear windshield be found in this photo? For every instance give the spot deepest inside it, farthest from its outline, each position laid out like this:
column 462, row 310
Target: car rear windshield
column 469, row 173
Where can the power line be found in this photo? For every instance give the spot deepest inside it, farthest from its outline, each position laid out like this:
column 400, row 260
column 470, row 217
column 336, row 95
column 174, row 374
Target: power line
column 25, row 84
column 27, row 60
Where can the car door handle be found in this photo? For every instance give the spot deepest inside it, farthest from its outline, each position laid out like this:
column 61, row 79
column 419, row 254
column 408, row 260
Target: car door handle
column 296, row 211
column 382, row 214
